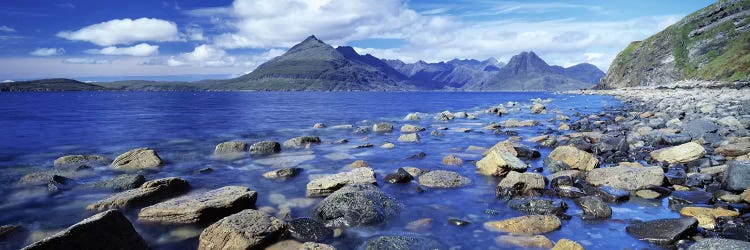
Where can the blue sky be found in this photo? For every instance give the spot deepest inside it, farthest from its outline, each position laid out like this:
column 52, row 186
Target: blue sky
column 189, row 40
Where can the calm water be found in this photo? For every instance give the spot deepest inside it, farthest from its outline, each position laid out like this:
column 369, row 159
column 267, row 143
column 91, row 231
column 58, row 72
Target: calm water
column 184, row 127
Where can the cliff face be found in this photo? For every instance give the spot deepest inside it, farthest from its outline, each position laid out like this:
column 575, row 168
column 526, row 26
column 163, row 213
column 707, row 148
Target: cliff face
column 711, row 44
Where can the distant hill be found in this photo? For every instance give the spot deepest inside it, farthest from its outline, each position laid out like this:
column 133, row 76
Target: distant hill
column 710, row 44
column 55, row 84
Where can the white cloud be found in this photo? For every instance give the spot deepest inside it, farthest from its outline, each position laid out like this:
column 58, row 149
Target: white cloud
column 125, row 31
column 4, row 28
column 194, row 33
column 47, row 52
column 142, row 49
column 203, row 55
column 7, row 81
column 86, row 60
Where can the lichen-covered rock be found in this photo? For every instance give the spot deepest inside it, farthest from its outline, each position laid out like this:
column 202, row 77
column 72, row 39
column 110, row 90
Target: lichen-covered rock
column 538, row 108
column 265, row 148
column 148, row 193
column 309, row 230
column 566, row 244
column 682, row 153
column 119, row 183
column 248, row 229
column 76, row 161
column 357, row 204
column 106, row 230
column 525, row 225
column 569, row 157
column 137, row 159
column 499, row 163
column 719, row 244
column 200, row 207
column 328, row 184
column 628, row 178
column 443, row 179
column 514, row 123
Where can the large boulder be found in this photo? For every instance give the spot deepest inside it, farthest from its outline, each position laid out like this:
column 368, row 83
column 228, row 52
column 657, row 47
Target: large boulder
column 403, row 242
column 504, row 146
column 106, row 230
column 137, row 159
column 328, row 184
column 682, row 153
column 443, row 179
column 265, row 148
column 516, row 183
column 737, row 176
column 526, row 225
column 76, row 161
column 248, row 229
column 624, row 177
column 231, row 147
column 301, row 142
column 499, row 163
column 149, row 193
column 663, row 231
column 200, row 207
column 357, row 204
column 569, row 157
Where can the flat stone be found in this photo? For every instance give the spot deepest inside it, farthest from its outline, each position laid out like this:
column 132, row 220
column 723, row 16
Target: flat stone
column 535, row 241
column 413, row 137
column 566, row 244
column 357, row 204
column 663, row 231
column 137, row 159
column 707, row 216
column 247, row 229
column 119, row 183
column 737, row 176
column 514, row 123
column 328, row 184
column 407, row 128
column 647, row 194
column 230, row 147
column 720, row 244
column 699, row 127
column 682, row 153
column 569, row 157
column 265, row 148
column 627, row 178
column 106, row 230
column 76, row 161
column 358, row 164
column 503, row 146
column 519, row 183
column 402, row 242
column 200, row 207
column 594, row 208
column 499, row 163
column 443, row 179
column 733, row 150
column 538, row 205
column 525, row 225
column 282, row 173
column 301, row 142
column 148, row 193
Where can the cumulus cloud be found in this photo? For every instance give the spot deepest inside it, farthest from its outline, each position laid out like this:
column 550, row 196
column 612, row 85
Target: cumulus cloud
column 48, row 52
column 194, row 33
column 86, row 60
column 4, row 28
column 142, row 49
column 125, row 31
column 204, row 55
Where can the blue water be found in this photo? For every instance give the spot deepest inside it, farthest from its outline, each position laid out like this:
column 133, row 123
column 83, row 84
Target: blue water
column 184, row 127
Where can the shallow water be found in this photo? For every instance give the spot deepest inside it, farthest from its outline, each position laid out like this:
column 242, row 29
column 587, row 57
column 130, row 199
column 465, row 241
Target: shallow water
column 184, row 127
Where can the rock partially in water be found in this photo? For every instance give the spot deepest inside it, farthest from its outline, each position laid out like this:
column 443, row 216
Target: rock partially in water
column 525, row 241
column 499, row 163
column 265, row 148
column 382, row 127
column 566, row 244
column 452, row 160
column 407, row 128
column 411, row 117
column 526, row 152
column 234, row 148
column 149, row 193
column 413, row 137
column 720, row 244
column 59, row 183
column 309, row 230
column 676, row 175
column 525, row 225
column 316, row 246
column 629, row 178
column 106, row 230
column 247, row 229
column 707, row 216
column 682, row 153
column 282, row 173
column 503, row 146
column 445, row 116
column 137, row 159
column 663, row 231
column 358, row 164
column 76, row 161
column 647, row 194
column 594, row 208
column 569, row 157
column 319, row 125
column 537, row 205
column 401, row 176
column 609, row 194
column 328, row 184
column 301, row 142
column 443, row 179
column 119, row 183
column 514, row 123
column 403, row 242
column 423, row 224
column 737, row 176
column 516, row 183
column 357, row 204
column 201, row 207
column 538, row 108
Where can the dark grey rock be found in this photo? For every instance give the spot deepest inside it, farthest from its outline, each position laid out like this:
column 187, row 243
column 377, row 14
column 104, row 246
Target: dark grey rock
column 401, row 176
column 246, row 229
column 720, row 244
column 698, row 180
column 268, row 147
column 610, row 194
column 120, row 183
column 357, row 204
column 675, row 139
column 106, row 230
column 403, row 243
column 680, row 198
column 699, row 127
column 526, row 152
column 309, row 230
column 59, row 183
column 663, row 231
column 458, row 222
column 676, row 176
column 737, row 176
column 569, row 192
column 594, row 208
column 538, row 205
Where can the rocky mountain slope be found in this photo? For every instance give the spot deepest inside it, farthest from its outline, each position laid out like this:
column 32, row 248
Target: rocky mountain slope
column 55, row 84
column 711, row 44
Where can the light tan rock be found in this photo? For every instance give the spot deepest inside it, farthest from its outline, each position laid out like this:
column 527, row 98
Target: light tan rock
column 358, row 164
column 326, row 185
column 452, row 160
column 413, row 137
column 504, row 146
column 424, row 224
column 525, row 225
column 536, row 241
column 137, row 159
column 200, row 207
column 707, row 216
column 733, row 150
column 411, row 128
column 231, row 147
column 566, row 244
column 563, row 127
column 514, row 123
column 74, row 161
column 538, row 108
column 248, row 229
column 529, row 180
column 149, row 193
column 628, row 178
column 569, row 157
column 679, row 154
column 498, row 163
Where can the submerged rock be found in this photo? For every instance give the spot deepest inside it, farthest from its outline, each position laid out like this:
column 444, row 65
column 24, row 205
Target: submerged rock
column 265, row 148
column 443, row 179
column 76, row 161
column 569, row 157
column 534, row 241
column 679, row 154
column 413, row 137
column 382, row 127
column 282, row 173
column 525, row 225
column 137, row 159
column 679, row 198
column 452, row 160
column 623, row 177
column 411, row 117
column 149, row 193
column 301, row 142
column 403, row 242
column 663, row 231
column 328, row 184
column 357, row 204
column 106, row 230
column 120, row 183
column 248, row 229
column 200, row 207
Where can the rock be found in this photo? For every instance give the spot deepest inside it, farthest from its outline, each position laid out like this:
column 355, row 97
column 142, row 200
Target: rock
column 247, row 229
column 458, row 222
column 675, row 139
column 731, row 198
column 120, row 183
column 525, row 152
column 266, row 148
column 514, row 123
column 676, row 176
column 519, row 183
column 282, row 173
column 461, row 114
column 503, row 146
column 569, row 173
column 566, row 244
column 319, row 125
column 402, row 242
column 734, row 149
column 737, row 176
column 285, row 245
column 535, row 241
column 609, row 194
column 414, row 137
column 366, row 145
column 137, row 159
column 445, row 116
column 720, row 244
column 679, row 198
column 388, row 145
column 628, row 178
column 361, row 130
column 525, row 225
column 568, row 157
column 707, row 216
column 594, row 208
column 452, row 160
column 231, row 148
column 420, row 225
column 401, row 176
column 301, row 142
column 499, row 163
column 358, row 164
column 537, row 205
column 663, row 231
column 149, row 193
column 306, row 229
column 357, row 204
column 316, row 246
column 106, row 230
column 443, row 179
column 746, row 195
column 200, row 207
column 411, row 129
column 699, row 127
column 436, row 133
column 415, row 172
column 538, row 108
column 647, row 194
column 328, row 184
column 382, row 127
column 679, row 154
column 563, row 127
column 569, row 192
column 76, row 161
column 59, row 183
column 343, row 126
column 411, row 117
column 729, row 121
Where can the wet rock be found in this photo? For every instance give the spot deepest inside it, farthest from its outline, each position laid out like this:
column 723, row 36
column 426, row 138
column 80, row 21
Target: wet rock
column 516, row 183
column 746, row 195
column 679, row 198
column 566, row 244
column 676, row 176
column 534, row 241
column 137, row 159
column 663, row 231
column 357, row 204
column 594, row 208
column 609, row 194
column 675, row 139
column 266, row 148
column 436, row 133
column 568, row 157
column 120, row 183
column 388, row 145
column 443, row 179
column 306, row 229
column 401, row 176
column 538, row 108
column 537, row 205
column 525, row 225
column 514, row 123
column 230, row 147
column 59, row 183
column 328, row 184
column 647, row 194
column 720, row 244
column 358, row 164
column 411, row 128
column 301, row 142
column 76, row 161
column 319, row 125
column 403, row 242
column 367, row 145
column 382, row 127
column 737, row 176
column 707, row 216
column 503, row 146
column 679, row 154
column 106, row 230
column 419, row 155
column 200, row 207
column 525, row 152
column 282, row 173
column 628, row 178
column 361, row 130
column 452, row 160
column 247, row 229
column 148, row 193
column 445, row 116
column 458, row 222
column 499, row 163
column 414, row 137
column 569, row 192
column 563, row 127
column 415, row 172
column 411, row 117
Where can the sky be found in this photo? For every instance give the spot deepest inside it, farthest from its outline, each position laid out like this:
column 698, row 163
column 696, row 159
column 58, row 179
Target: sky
column 99, row 40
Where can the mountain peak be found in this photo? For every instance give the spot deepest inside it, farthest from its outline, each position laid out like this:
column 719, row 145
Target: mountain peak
column 526, row 62
column 312, row 38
